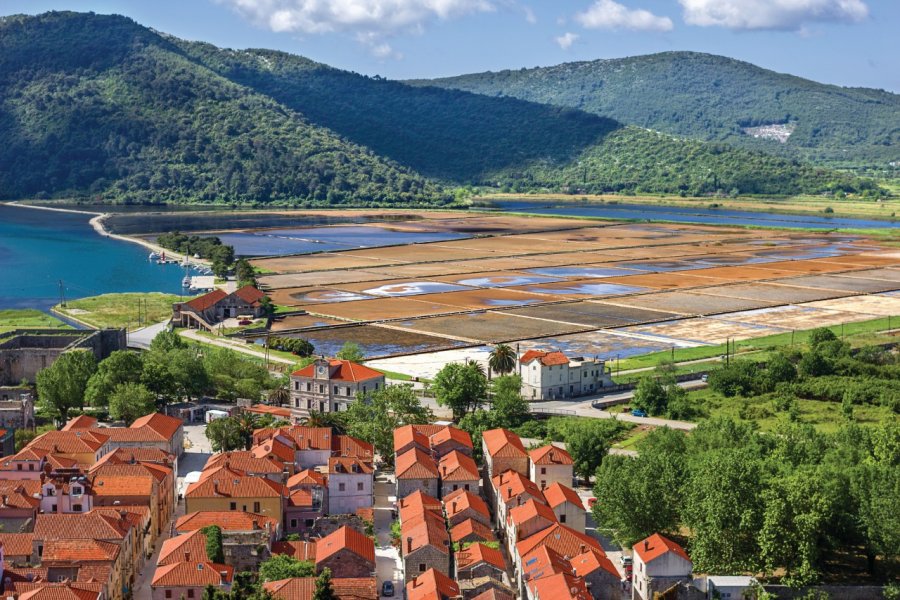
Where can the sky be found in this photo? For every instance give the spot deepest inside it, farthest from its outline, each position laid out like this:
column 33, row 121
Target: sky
column 843, row 42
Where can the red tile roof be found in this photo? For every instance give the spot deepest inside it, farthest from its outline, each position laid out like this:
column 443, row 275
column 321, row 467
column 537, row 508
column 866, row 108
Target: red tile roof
column 164, row 425
column 408, row 434
column 197, row 573
column 472, row 527
column 462, row 500
column 302, row 588
column 122, row 480
column 503, row 443
column 146, row 454
column 79, row 422
column 342, row 370
column 543, row 561
column 183, row 548
column 550, row 455
column 480, row 553
column 70, row 442
column 557, row 493
column 78, row 551
column 416, row 504
column 203, row 302
column 655, row 546
column 450, row 433
column 249, row 294
column 531, row 510
column 306, row 477
column 345, row 538
column 227, row 483
column 547, row 358
column 242, row 461
column 298, row 550
column 426, row 529
column 265, row 409
column 415, row 464
column 560, row 538
column 340, row 465
column 431, row 584
column 456, row 466
column 560, row 586
column 350, row 447
column 20, row 493
column 17, row 544
column 303, row 438
column 79, row 526
column 59, row 591
column 512, row 484
column 590, row 561
column 228, row 520
column 494, row 594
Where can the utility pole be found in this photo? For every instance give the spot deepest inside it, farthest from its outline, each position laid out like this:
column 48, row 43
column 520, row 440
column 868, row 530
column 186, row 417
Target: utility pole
column 62, row 294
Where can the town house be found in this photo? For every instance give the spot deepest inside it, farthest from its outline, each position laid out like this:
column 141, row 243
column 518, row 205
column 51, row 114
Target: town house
column 510, row 489
column 659, row 563
column 553, row 375
column 550, row 464
column 226, row 490
column 350, row 485
column 566, row 505
column 458, row 472
column 184, row 571
column 424, row 545
column 463, row 504
column 416, row 470
column 347, row 553
column 204, row 312
column 330, row 386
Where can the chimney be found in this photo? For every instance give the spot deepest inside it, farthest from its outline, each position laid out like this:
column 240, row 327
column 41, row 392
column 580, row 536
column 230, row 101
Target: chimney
column 509, row 492
column 453, row 505
column 224, row 575
column 408, row 545
column 216, row 487
column 583, row 548
column 646, row 545
column 187, row 557
column 445, row 470
column 5, row 498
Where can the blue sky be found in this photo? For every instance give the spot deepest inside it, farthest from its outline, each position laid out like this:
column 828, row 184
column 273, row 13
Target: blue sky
column 845, row 42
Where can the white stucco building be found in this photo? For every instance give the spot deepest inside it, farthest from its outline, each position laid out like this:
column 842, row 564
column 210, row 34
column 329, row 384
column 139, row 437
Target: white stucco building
column 659, row 563
column 552, row 375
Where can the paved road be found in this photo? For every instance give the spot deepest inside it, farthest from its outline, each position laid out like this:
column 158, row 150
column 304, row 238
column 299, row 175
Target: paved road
column 232, row 344
column 141, row 338
column 388, row 565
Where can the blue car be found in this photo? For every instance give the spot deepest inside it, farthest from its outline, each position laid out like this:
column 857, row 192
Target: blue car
column 387, row 589
column 638, row 413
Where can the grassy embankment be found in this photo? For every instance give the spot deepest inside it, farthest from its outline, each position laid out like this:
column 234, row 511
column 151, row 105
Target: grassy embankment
column 28, row 318
column 121, row 310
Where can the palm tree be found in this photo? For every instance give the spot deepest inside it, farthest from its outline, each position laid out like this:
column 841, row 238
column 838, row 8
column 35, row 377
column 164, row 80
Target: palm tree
column 247, row 424
column 502, row 359
column 279, row 395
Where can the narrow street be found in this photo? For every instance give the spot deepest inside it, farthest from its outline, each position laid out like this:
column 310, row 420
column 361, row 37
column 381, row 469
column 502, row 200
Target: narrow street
column 387, row 559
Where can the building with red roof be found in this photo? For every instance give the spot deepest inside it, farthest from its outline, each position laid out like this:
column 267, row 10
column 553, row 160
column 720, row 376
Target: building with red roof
column 463, row 504
column 658, row 564
column 559, row 586
column 458, row 472
column 303, row 588
column 229, row 490
column 503, row 451
column 347, row 552
column 510, row 489
column 351, row 484
column 409, row 437
column 204, row 312
column 425, row 544
column 416, row 504
column 527, row 519
column 471, row 531
column 416, row 470
column 551, row 464
column 449, row 439
column 480, row 560
column 567, row 506
column 432, row 585
column 331, row 386
column 551, row 375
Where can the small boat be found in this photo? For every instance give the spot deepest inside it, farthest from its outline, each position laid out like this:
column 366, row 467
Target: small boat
column 153, row 256
column 186, row 282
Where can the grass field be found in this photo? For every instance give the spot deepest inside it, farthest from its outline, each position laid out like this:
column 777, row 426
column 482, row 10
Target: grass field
column 28, row 318
column 121, row 310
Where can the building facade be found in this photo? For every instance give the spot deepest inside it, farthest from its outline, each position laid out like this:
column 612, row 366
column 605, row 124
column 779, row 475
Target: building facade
column 330, row 386
column 553, row 375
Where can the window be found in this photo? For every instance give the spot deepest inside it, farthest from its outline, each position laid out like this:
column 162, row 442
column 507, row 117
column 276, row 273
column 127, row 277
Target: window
column 256, row 507
column 335, row 390
column 308, row 386
column 232, row 506
column 364, row 389
column 321, row 389
column 168, row 593
column 341, row 487
column 50, row 491
column 543, row 470
column 348, row 390
column 293, row 523
column 190, row 593
column 467, row 487
column 297, row 403
column 376, row 387
column 308, row 522
column 31, row 467
column 76, row 508
column 19, row 467
column 455, row 487
column 337, row 407
column 562, row 518
column 76, row 491
column 297, row 385
column 543, row 484
column 421, row 567
column 359, row 486
column 54, row 508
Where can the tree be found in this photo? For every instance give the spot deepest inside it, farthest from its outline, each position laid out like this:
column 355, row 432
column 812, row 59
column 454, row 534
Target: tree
column 375, row 417
column 324, row 590
column 820, row 336
column 650, row 396
column 167, row 340
column 281, row 391
column 225, row 434
column 588, row 442
column 351, row 351
column 502, row 359
column 121, row 366
column 130, row 401
column 461, row 387
column 245, row 273
column 268, row 307
column 214, row 550
column 188, row 374
column 508, row 409
column 282, row 566
column 62, row 385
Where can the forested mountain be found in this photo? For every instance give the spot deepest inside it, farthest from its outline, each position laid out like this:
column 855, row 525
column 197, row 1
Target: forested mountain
column 99, row 105
column 713, row 98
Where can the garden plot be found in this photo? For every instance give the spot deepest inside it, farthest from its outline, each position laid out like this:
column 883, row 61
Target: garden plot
column 489, row 327
column 701, row 330
column 793, row 317
column 591, row 314
column 692, row 303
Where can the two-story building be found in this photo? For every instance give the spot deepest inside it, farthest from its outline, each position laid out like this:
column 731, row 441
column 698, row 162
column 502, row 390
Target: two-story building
column 204, row 312
column 659, row 563
column 330, row 386
column 551, row 375
column 350, row 485
column 551, row 464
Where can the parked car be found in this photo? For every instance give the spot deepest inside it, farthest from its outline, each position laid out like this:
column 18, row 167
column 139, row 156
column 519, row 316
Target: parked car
column 638, row 413
column 704, row 378
column 387, row 589
column 625, row 560
column 245, row 322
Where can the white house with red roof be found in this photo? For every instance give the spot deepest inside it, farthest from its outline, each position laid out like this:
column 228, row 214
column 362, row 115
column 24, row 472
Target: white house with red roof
column 550, row 375
column 330, row 386
column 203, row 312
column 551, row 464
column 659, row 563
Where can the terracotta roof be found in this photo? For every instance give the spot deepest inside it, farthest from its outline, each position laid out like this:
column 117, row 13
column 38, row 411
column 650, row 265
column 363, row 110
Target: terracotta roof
column 550, row 455
column 366, row 513
column 60, row 591
column 122, row 480
column 124, row 435
column 227, row 483
column 472, row 527
column 462, row 500
column 355, row 588
column 408, row 434
column 503, row 443
column 416, row 504
column 494, row 594
column 79, row 526
column 342, row 370
column 203, row 302
column 557, row 493
column 76, row 551
column 426, row 529
column 340, row 465
column 560, row 538
column 137, row 516
column 590, row 561
column 450, row 433
column 200, row 573
column 249, row 294
column 431, row 584
column 298, row 550
column 303, row 438
column 228, row 520
column 70, row 442
column 59, row 463
column 302, row 588
column 544, row 561
column 655, row 546
column 164, row 425
column 242, row 461
column 512, row 484
column 27, row 454
column 344, row 445
column 183, row 548
column 415, row 464
column 300, row 499
column 279, row 447
column 20, row 493
column 547, row 358
column 530, row 510
column 79, row 422
column 306, row 477
column 145, row 454
column 480, row 553
column 345, row 538
column 456, row 466
column 560, row 586
column 17, row 544
column 265, row 409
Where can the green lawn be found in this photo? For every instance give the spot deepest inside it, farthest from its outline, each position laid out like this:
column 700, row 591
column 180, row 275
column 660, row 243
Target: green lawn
column 633, row 438
column 121, row 310
column 28, row 318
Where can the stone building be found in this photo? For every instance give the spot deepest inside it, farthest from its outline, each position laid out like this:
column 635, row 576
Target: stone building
column 415, row 470
column 330, row 386
column 205, row 311
column 659, row 563
column 551, row 464
column 25, row 352
column 553, row 375
column 347, row 553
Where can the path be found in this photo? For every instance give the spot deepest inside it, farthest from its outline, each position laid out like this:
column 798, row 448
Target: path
column 235, row 345
column 141, row 338
column 388, row 566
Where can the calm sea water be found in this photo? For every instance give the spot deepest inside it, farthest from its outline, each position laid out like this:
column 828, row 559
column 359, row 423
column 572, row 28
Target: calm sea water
column 40, row 248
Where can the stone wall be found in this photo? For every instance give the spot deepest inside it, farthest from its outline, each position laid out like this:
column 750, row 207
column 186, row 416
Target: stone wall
column 25, row 352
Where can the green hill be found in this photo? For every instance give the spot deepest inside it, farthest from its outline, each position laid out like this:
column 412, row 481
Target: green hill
column 713, row 98
column 101, row 106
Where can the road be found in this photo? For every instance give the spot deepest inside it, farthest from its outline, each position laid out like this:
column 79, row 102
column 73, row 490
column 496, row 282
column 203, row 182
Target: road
column 193, row 459
column 141, row 338
column 388, row 566
column 232, row 344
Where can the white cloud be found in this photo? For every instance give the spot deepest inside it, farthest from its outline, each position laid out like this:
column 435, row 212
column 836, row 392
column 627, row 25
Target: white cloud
column 566, row 40
column 325, row 16
column 607, row 14
column 791, row 15
column 529, row 15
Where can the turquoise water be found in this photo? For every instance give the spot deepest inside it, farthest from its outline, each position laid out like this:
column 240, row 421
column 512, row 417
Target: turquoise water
column 38, row 248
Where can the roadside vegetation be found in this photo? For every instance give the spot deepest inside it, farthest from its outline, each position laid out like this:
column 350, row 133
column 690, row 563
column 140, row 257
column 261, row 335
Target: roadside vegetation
column 128, row 310
column 28, row 318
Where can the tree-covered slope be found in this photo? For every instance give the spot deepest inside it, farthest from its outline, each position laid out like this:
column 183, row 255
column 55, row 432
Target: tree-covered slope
column 98, row 104
column 508, row 143
column 712, row 98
